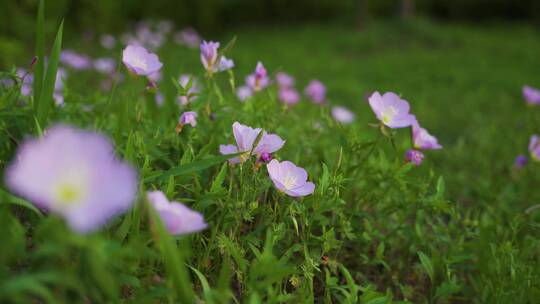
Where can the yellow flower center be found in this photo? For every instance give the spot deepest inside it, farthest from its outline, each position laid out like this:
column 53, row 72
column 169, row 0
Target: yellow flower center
column 69, row 193
column 289, row 181
column 388, row 114
column 139, row 63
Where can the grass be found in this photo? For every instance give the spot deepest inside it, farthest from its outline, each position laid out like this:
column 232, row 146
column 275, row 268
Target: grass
column 375, row 230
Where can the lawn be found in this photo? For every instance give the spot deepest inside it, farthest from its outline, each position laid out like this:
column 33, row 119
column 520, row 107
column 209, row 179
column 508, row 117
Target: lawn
column 456, row 229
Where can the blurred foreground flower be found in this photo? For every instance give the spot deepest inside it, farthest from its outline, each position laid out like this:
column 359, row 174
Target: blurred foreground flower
column 531, row 95
column 391, row 110
column 289, row 178
column 75, row 174
column 258, row 80
column 140, row 61
column 414, row 156
column 245, row 140
column 176, row 217
column 342, row 114
column 534, row 147
column 316, row 91
column 423, row 140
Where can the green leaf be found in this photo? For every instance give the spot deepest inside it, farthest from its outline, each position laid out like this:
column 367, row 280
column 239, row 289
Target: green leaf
column 40, row 53
column 426, row 264
column 188, row 168
column 46, row 97
column 11, row 199
column 173, row 258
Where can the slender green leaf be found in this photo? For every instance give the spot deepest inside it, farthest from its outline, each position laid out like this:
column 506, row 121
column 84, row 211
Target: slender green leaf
column 46, row 96
column 11, row 199
column 39, row 68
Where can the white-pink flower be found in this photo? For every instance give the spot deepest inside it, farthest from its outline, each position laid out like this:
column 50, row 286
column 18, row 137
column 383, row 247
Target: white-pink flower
column 140, row 61
column 245, row 139
column 289, row 178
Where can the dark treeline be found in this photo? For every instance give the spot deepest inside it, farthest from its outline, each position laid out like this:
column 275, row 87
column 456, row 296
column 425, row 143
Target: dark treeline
column 212, row 15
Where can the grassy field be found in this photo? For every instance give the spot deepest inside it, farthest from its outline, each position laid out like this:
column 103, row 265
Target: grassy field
column 376, row 230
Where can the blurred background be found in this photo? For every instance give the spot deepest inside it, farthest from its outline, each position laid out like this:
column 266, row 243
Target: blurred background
column 211, row 16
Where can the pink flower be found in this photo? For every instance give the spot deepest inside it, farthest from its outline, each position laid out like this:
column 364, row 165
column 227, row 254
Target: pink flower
column 73, row 173
column 289, row 178
column 289, row 96
column 342, row 114
column 225, row 64
column 105, row 65
column 140, row 61
column 422, row 139
column 188, row 37
column 414, row 156
column 258, row 80
column 534, row 147
column 531, row 95
column 244, row 92
column 177, row 218
column 75, row 60
column 189, row 117
column 316, row 91
column 245, row 139
column 391, row 110
column 209, row 55
column 284, row 80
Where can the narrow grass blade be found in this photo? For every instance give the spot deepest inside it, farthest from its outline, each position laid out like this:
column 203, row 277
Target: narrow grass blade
column 188, row 168
column 40, row 53
column 11, row 199
column 173, row 258
column 46, row 96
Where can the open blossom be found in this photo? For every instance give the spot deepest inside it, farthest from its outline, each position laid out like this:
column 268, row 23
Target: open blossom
column 140, row 61
column 75, row 174
column 534, row 147
column 391, row 110
column 289, row 178
column 189, row 117
column 245, row 139
column 209, row 55
column 414, row 156
column 258, row 80
column 316, row 91
column 191, row 93
column 176, row 217
column 75, row 60
column 422, row 139
column 244, row 92
column 289, row 96
column 284, row 80
column 342, row 114
column 531, row 95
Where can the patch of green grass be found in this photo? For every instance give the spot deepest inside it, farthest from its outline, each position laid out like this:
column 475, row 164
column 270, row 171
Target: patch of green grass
column 375, row 231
